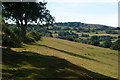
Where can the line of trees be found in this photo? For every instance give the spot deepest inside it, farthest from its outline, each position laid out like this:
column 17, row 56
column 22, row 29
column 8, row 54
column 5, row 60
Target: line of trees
column 101, row 41
column 85, row 29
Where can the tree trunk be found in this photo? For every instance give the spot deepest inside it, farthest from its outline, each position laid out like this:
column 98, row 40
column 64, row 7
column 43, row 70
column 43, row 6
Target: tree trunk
column 23, row 34
column 23, row 31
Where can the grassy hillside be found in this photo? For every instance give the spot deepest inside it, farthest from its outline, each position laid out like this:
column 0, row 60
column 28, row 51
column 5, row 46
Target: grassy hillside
column 57, row 58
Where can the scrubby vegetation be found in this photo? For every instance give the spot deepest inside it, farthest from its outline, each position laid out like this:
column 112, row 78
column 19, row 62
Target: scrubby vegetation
column 33, row 52
column 9, row 38
column 116, row 45
column 13, row 38
column 33, row 36
column 93, row 34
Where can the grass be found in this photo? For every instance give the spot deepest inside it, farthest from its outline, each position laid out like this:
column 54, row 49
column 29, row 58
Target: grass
column 100, row 34
column 56, row 58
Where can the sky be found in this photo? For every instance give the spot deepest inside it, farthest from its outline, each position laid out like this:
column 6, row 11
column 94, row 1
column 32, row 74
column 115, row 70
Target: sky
column 103, row 12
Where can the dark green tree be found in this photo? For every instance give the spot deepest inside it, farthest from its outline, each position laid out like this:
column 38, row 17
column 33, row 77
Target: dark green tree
column 107, row 44
column 116, row 45
column 95, row 42
column 23, row 13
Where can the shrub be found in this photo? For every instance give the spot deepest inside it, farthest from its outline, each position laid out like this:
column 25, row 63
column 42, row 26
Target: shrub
column 13, row 38
column 84, row 35
column 116, row 45
column 33, row 36
column 9, row 38
column 107, row 44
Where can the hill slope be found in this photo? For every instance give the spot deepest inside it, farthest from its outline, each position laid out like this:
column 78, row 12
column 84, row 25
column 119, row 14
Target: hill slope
column 57, row 58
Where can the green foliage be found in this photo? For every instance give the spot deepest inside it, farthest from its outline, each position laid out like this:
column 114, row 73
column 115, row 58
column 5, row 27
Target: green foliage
column 95, row 42
column 24, row 12
column 12, row 37
column 17, row 31
column 48, row 34
column 111, row 32
column 119, row 37
column 33, row 36
column 27, row 11
column 84, row 35
column 9, row 38
column 107, row 44
column 116, row 45
column 67, row 35
column 94, row 38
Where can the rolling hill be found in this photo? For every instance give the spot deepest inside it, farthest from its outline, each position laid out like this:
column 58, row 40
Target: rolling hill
column 84, row 25
column 57, row 58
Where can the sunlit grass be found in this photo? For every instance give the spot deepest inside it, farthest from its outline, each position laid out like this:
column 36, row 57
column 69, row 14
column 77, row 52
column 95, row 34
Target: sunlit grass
column 52, row 57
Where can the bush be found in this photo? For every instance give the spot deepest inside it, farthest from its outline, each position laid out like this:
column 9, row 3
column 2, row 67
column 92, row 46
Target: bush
column 13, row 38
column 9, row 38
column 84, row 35
column 116, row 45
column 107, row 44
column 95, row 42
column 33, row 36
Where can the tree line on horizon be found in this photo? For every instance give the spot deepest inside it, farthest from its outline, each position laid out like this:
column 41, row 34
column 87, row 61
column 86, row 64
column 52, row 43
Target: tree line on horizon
column 26, row 12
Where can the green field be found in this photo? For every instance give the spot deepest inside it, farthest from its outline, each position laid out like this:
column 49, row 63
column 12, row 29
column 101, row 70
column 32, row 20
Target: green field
column 90, row 34
column 57, row 58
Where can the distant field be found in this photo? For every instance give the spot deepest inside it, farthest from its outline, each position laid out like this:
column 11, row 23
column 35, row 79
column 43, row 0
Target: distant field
column 93, row 34
column 113, row 35
column 51, row 58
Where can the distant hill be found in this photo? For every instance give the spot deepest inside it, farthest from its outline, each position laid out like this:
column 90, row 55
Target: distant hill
column 79, row 24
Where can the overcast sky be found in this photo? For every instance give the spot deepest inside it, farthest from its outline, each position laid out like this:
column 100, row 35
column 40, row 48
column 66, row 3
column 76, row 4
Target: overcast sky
column 87, row 11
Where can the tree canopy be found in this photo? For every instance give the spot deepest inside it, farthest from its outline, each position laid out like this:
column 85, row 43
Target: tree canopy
column 23, row 13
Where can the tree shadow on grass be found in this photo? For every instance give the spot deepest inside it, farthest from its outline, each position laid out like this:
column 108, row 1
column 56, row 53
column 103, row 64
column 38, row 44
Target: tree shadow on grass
column 33, row 66
column 70, row 53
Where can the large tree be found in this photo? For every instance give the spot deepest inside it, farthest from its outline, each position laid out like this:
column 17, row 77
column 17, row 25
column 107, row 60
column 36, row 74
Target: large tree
column 23, row 13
